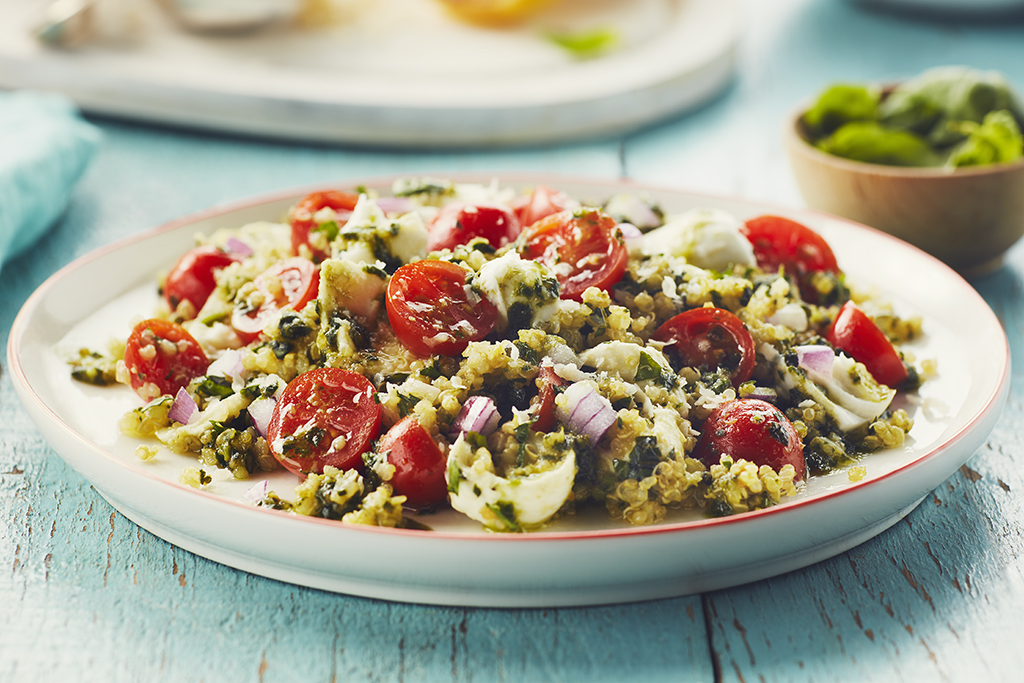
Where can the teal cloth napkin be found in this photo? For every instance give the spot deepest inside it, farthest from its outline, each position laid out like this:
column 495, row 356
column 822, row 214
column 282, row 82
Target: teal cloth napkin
column 44, row 148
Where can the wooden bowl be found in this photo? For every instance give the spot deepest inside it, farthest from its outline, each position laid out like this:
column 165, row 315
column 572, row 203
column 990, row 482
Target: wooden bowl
column 968, row 218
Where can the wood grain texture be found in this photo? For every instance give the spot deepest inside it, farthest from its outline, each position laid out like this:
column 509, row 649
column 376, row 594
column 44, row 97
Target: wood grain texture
column 87, row 595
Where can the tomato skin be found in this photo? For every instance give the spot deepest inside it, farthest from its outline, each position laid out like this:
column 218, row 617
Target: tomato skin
column 856, row 334
column 419, row 464
column 711, row 338
column 302, row 221
column 587, row 244
column 193, row 277
column 314, row 410
column 291, row 283
column 458, row 222
column 753, row 430
column 152, row 363
column 779, row 242
column 549, row 383
column 427, row 300
column 541, row 203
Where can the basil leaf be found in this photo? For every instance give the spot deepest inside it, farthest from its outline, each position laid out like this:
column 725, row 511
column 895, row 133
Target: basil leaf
column 996, row 140
column 841, row 104
column 874, row 143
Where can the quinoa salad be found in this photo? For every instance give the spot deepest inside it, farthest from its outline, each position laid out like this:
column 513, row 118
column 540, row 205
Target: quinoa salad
column 513, row 354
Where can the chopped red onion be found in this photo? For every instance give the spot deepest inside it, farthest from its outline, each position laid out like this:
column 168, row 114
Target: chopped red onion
column 816, row 359
column 183, row 408
column 586, row 411
column 478, row 414
column 257, row 492
column 764, row 393
column 237, row 246
column 261, row 410
column 632, row 236
column 395, row 204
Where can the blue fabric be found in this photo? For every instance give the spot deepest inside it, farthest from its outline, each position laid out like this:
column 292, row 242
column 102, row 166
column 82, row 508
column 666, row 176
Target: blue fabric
column 44, row 148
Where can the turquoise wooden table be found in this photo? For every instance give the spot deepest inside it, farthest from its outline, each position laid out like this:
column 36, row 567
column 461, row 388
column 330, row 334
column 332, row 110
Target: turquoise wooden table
column 87, row 595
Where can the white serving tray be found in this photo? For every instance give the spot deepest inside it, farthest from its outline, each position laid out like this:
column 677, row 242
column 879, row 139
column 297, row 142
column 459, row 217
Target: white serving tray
column 395, row 72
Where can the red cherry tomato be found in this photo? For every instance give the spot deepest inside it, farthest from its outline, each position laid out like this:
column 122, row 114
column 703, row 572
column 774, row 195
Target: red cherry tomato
column 458, row 223
column 326, row 416
column 549, row 382
column 291, row 283
column 583, row 248
column 710, row 338
column 857, row 335
column 781, row 242
column 163, row 355
column 192, row 278
column 752, row 430
column 419, row 464
column 541, row 203
column 302, row 221
column 431, row 310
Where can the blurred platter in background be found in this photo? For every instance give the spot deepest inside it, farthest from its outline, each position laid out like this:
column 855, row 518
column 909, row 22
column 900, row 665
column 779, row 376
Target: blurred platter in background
column 392, row 72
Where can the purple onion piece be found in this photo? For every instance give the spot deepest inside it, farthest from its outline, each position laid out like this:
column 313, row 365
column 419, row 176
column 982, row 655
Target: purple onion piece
column 764, row 394
column 257, row 492
column 817, row 359
column 261, row 411
column 632, row 236
column 478, row 414
column 395, row 204
column 183, row 408
column 237, row 246
column 586, row 411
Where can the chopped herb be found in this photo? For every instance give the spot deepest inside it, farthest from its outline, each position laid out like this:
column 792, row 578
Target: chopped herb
column 329, row 229
column 409, row 187
column 280, row 349
column 292, row 326
column 719, row 508
column 648, row 368
column 406, row 403
column 215, row 385
column 641, row 462
column 527, row 354
column 506, row 513
column 454, row 476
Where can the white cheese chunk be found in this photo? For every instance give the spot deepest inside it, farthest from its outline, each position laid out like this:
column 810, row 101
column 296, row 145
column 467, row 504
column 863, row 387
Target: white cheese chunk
column 707, row 238
column 533, row 498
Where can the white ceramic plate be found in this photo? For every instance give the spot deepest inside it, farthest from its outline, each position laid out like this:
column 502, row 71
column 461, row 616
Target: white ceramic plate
column 585, row 559
column 394, row 72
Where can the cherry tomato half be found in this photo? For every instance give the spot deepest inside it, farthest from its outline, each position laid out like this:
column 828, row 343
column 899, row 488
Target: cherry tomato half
column 303, row 222
column 291, row 283
column 457, row 223
column 419, row 464
column 779, row 241
column 549, row 382
column 541, row 203
column 583, row 248
column 431, row 311
column 710, row 338
column 752, row 430
column 857, row 335
column 326, row 416
column 193, row 277
column 162, row 357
